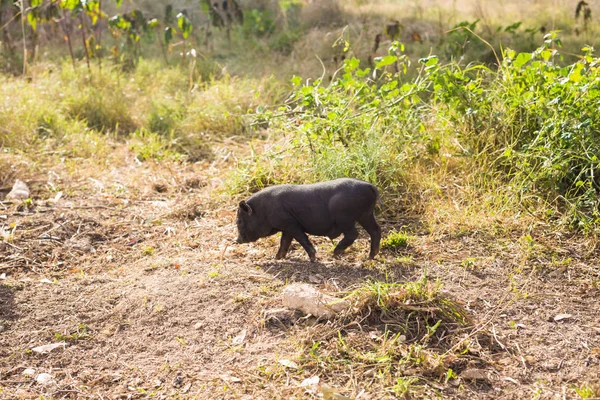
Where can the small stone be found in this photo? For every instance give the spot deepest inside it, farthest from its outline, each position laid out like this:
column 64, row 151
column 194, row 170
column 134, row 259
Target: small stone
column 475, row 374
column 44, row 378
column 239, row 339
column 29, row 371
column 19, row 191
column 198, row 325
column 310, row 383
column 49, row 347
column 288, row 364
column 561, row 317
column 310, row 301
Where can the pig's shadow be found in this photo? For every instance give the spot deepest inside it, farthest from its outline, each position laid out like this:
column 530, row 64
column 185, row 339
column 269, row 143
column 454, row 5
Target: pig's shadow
column 344, row 272
column 7, row 303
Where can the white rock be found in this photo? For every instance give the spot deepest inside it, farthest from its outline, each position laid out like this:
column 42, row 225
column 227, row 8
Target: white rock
column 239, row 339
column 19, row 191
column 29, row 371
column 310, row 383
column 310, row 301
column 288, row 364
column 561, row 317
column 44, row 378
column 49, row 347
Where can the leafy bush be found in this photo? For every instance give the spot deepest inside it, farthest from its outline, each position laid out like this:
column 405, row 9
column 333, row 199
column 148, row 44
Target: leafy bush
column 529, row 127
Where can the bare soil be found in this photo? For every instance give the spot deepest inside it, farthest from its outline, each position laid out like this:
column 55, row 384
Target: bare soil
column 133, row 268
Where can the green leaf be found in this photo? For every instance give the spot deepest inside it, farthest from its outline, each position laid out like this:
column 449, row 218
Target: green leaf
column 575, row 75
column 32, row 21
column 381, row 62
column 71, row 5
column 429, row 61
column 154, row 23
column 296, row 80
column 510, row 54
column 351, row 64
column 522, row 59
column 184, row 24
column 546, row 54
column 168, row 34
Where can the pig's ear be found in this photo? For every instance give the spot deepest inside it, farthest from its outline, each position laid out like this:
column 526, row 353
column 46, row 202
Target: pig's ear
column 245, row 207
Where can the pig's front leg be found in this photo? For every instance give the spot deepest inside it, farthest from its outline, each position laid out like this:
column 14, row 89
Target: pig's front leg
column 284, row 246
column 301, row 237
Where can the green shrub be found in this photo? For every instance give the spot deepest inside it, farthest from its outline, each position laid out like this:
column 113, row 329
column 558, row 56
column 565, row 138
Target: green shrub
column 102, row 110
column 529, row 128
column 395, row 240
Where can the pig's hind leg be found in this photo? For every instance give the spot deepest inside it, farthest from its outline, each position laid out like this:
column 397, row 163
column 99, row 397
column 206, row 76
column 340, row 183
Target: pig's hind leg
column 350, row 235
column 372, row 227
column 284, row 246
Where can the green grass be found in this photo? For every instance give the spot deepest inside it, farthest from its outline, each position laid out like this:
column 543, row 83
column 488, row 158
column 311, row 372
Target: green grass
column 398, row 321
column 395, row 240
column 525, row 129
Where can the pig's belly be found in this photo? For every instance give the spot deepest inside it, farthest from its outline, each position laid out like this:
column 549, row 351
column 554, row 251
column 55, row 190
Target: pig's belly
column 330, row 232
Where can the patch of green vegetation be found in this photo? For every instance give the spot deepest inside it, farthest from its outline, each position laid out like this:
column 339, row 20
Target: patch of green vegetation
column 469, row 263
column 380, row 125
column 585, row 391
column 398, row 323
column 148, row 251
column 81, row 333
column 395, row 240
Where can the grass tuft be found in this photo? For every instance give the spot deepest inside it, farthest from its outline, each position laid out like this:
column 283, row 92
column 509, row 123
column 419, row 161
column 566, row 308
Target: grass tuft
column 395, row 240
column 390, row 328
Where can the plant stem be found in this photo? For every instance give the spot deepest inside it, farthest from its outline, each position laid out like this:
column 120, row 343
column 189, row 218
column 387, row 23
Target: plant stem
column 99, row 30
column 24, row 38
column 66, row 29
column 85, row 46
column 162, row 48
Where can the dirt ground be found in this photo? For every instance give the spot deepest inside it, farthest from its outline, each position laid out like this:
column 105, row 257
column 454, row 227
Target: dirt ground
column 133, row 269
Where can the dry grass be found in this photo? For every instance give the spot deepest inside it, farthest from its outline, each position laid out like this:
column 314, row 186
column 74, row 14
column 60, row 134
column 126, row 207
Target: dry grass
column 165, row 289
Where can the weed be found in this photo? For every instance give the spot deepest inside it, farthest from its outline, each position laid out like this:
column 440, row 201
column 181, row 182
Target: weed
column 102, row 110
column 147, row 145
column 469, row 263
column 148, row 251
column 81, row 333
column 240, row 298
column 403, row 386
column 405, row 260
column 395, row 240
column 585, row 391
